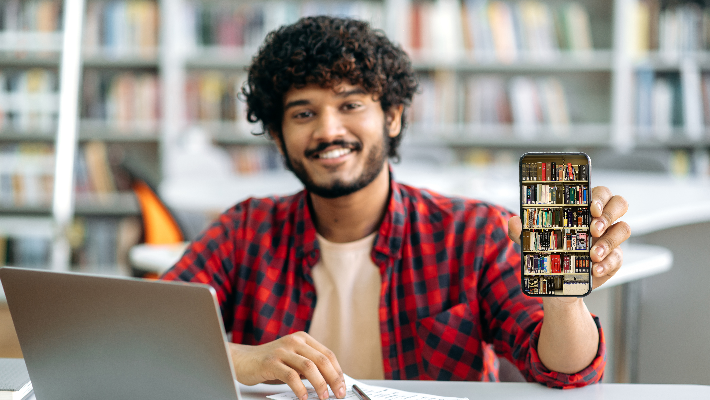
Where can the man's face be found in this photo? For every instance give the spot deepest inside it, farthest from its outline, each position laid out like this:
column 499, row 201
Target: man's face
column 335, row 140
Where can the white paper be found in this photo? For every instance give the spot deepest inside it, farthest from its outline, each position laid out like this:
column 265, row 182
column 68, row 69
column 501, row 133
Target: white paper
column 374, row 392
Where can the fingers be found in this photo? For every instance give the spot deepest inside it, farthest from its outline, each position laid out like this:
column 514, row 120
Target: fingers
column 329, row 366
column 613, row 209
column 286, row 374
column 613, row 236
column 307, row 357
column 515, row 227
column 602, row 271
column 318, row 369
column 600, row 196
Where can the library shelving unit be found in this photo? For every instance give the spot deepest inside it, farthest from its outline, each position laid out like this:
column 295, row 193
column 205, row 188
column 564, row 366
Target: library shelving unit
column 201, row 64
column 497, row 77
column 666, row 103
column 30, row 66
column 547, row 75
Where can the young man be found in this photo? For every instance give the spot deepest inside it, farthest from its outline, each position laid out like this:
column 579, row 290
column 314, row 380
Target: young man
column 363, row 275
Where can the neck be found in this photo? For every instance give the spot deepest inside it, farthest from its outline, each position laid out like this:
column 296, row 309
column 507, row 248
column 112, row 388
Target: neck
column 352, row 217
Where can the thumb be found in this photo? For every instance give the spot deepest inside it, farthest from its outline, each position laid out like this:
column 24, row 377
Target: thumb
column 515, row 227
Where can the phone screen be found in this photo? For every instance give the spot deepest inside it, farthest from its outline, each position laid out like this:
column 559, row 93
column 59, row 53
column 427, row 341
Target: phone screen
column 555, row 194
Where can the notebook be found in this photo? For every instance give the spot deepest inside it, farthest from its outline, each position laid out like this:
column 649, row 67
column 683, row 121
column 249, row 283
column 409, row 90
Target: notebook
column 92, row 337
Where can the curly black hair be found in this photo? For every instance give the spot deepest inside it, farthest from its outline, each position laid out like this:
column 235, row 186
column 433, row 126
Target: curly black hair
column 326, row 50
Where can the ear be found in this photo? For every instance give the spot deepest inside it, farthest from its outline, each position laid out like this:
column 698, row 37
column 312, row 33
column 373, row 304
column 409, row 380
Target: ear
column 277, row 140
column 393, row 120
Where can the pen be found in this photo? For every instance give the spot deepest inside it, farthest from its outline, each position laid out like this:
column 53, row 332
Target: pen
column 359, row 393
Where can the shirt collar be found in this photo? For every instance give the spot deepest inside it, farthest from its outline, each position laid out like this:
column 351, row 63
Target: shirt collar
column 389, row 237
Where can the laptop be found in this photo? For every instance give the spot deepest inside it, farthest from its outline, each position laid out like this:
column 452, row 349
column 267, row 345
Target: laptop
column 94, row 337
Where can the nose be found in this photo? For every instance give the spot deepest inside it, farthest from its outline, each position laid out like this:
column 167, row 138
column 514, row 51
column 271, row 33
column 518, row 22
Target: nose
column 329, row 126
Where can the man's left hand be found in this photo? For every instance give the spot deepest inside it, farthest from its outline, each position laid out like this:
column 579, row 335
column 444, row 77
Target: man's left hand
column 607, row 234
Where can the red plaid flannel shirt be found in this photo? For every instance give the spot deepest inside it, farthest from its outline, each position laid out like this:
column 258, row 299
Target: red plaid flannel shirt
column 450, row 298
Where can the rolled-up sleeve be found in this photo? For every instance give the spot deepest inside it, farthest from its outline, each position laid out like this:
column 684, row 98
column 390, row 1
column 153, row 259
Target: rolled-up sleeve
column 513, row 321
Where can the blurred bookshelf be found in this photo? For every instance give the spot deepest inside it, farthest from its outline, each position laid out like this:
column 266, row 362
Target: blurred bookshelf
column 498, row 78
column 120, row 79
column 669, row 52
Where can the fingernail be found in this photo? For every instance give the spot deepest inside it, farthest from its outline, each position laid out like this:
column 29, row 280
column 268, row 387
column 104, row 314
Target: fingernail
column 600, row 269
column 600, row 226
column 599, row 250
column 341, row 392
column 325, row 395
column 304, row 397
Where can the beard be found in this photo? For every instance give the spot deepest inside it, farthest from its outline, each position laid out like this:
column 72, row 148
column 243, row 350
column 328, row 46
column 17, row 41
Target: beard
column 376, row 157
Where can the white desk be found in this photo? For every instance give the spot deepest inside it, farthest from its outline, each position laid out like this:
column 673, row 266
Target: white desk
column 503, row 391
column 528, row 391
column 656, row 201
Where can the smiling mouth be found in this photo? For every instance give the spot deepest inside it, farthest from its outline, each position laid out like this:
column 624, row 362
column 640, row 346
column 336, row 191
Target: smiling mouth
column 335, row 153
column 334, row 149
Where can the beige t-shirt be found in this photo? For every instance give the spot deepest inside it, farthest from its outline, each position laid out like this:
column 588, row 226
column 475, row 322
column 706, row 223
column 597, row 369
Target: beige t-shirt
column 346, row 318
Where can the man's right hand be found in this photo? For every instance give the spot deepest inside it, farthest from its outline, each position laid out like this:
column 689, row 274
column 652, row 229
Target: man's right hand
column 288, row 359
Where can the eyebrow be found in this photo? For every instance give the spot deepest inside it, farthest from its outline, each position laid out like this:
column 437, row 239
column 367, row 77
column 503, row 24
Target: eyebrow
column 296, row 103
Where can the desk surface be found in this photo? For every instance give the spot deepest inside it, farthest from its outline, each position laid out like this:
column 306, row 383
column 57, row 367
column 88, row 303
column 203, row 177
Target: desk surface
column 528, row 391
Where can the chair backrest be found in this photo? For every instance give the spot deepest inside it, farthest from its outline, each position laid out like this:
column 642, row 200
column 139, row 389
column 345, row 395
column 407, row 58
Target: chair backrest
column 159, row 225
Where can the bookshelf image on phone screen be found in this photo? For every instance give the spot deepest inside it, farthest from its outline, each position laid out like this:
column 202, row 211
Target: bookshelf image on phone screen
column 554, row 210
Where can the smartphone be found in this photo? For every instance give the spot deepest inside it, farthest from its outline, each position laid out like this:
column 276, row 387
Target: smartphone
column 555, row 194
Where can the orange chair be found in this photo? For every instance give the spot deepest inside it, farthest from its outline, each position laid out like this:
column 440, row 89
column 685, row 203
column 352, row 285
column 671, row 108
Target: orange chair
column 159, row 225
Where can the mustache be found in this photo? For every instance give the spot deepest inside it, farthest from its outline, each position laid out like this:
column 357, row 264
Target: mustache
column 341, row 143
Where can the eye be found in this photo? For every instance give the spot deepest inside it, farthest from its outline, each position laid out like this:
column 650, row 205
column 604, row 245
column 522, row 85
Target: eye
column 303, row 114
column 351, row 106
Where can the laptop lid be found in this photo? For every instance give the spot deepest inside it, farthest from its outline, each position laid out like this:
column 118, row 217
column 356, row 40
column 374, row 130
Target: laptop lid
column 92, row 337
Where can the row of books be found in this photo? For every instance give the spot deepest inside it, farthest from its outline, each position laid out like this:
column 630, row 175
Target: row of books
column 26, row 174
column 529, row 104
column 671, row 28
column 667, row 101
column 25, row 251
column 242, row 26
column 548, row 240
column 503, row 31
column 558, row 217
column 126, row 101
column 543, row 284
column 29, row 100
column 96, row 171
column 557, row 264
column 122, row 28
column 103, row 243
column 684, row 163
column 30, row 25
column 659, row 104
column 213, row 96
column 555, row 194
column 249, row 160
column 554, row 172
column 99, row 244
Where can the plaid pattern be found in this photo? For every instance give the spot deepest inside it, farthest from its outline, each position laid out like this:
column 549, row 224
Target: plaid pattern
column 450, row 295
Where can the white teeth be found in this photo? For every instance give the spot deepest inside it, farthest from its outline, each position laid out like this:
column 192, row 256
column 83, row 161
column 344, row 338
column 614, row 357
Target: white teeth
column 334, row 153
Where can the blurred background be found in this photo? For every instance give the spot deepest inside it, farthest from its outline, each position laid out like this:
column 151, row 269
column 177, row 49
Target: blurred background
column 162, row 143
